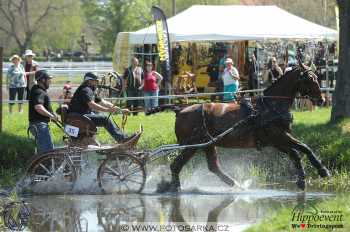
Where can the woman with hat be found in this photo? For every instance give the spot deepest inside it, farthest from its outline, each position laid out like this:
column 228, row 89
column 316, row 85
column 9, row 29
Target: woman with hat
column 16, row 82
column 230, row 77
column 30, row 66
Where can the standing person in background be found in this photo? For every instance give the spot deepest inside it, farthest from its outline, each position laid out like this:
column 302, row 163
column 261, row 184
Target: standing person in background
column 275, row 72
column 230, row 77
column 16, row 82
column 253, row 73
column 132, row 82
column 213, row 72
column 222, row 66
column 150, row 85
column 30, row 66
column 66, row 93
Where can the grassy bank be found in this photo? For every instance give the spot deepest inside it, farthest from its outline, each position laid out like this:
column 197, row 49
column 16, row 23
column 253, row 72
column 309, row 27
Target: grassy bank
column 330, row 142
column 16, row 148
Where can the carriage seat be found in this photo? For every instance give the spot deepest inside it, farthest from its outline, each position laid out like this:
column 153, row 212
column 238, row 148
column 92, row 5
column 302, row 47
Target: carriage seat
column 87, row 128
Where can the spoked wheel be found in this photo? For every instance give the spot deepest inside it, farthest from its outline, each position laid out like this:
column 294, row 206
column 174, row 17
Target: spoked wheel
column 113, row 212
column 52, row 172
column 122, row 174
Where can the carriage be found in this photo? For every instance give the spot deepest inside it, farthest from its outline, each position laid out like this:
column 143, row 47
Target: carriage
column 121, row 170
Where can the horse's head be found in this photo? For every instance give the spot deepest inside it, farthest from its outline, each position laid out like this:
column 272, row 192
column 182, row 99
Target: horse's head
column 307, row 85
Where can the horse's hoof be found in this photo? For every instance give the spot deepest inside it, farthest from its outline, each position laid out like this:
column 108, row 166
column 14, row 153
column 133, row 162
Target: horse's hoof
column 166, row 187
column 323, row 172
column 301, row 184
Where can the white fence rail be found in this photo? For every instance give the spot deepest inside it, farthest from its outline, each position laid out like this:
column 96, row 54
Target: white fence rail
column 70, row 68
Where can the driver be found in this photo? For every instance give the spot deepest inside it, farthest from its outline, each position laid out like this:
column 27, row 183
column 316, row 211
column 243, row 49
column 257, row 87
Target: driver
column 85, row 102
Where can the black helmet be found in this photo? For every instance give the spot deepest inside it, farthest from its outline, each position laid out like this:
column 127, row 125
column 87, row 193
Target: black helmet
column 42, row 74
column 90, row 76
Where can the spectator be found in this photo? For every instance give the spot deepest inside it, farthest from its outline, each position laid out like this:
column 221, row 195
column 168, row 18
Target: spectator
column 230, row 78
column 213, row 72
column 150, row 85
column 16, row 82
column 275, row 71
column 132, row 80
column 67, row 93
column 30, row 66
column 222, row 62
column 253, row 73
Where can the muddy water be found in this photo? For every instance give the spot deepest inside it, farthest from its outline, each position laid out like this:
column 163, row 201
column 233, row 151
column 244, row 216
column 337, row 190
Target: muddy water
column 107, row 212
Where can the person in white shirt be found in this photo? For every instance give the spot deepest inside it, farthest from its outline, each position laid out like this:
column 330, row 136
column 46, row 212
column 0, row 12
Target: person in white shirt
column 230, row 78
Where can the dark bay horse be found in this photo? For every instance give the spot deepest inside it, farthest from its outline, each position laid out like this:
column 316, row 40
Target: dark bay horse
column 271, row 126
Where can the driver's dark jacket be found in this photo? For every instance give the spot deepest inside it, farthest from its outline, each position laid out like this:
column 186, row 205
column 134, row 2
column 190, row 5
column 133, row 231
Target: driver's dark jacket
column 82, row 96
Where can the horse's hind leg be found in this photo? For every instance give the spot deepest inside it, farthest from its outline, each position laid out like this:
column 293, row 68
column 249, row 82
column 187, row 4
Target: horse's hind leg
column 295, row 157
column 214, row 166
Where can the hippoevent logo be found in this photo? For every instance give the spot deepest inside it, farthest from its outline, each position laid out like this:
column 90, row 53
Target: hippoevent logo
column 310, row 217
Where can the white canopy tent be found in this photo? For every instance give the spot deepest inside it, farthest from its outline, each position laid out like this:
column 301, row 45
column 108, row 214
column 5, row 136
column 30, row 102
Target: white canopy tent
column 235, row 22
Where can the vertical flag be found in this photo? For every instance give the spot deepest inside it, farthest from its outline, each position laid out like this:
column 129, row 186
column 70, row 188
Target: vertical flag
column 163, row 44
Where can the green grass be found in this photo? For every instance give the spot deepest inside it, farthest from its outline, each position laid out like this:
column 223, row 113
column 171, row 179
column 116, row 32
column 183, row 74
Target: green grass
column 281, row 220
column 330, row 142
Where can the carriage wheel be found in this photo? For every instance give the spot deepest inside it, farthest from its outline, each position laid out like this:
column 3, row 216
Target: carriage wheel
column 52, row 173
column 112, row 212
column 122, row 174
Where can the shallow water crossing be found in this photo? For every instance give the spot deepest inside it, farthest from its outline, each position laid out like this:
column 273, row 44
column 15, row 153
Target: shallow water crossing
column 238, row 209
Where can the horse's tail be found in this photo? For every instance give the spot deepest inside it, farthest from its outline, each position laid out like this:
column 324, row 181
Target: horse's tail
column 173, row 107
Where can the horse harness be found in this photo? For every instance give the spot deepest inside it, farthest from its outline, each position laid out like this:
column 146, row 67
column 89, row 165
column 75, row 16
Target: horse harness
column 265, row 113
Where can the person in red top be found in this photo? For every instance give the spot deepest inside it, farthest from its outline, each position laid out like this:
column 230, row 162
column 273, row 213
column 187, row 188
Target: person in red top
column 150, row 86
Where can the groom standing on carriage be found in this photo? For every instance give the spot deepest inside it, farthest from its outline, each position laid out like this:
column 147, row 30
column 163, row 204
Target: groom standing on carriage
column 40, row 112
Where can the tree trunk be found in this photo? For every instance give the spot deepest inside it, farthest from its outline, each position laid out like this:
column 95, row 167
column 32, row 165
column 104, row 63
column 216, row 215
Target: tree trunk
column 341, row 96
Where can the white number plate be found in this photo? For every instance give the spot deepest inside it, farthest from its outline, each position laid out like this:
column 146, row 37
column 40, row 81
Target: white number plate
column 71, row 130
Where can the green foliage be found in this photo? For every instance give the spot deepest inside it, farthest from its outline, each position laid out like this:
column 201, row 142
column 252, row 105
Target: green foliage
column 39, row 24
column 182, row 5
column 107, row 20
column 62, row 30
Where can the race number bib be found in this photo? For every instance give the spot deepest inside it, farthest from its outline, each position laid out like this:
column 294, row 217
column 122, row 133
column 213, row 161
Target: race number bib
column 71, row 130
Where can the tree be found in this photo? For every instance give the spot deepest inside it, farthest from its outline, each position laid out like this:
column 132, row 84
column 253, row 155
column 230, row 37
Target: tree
column 341, row 96
column 108, row 18
column 61, row 30
column 22, row 19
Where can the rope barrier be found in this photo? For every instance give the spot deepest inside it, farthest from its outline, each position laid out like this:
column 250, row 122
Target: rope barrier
column 163, row 96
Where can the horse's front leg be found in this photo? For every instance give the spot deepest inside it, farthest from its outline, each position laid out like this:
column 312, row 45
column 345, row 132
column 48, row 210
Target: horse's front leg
column 295, row 157
column 301, row 147
column 214, row 166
